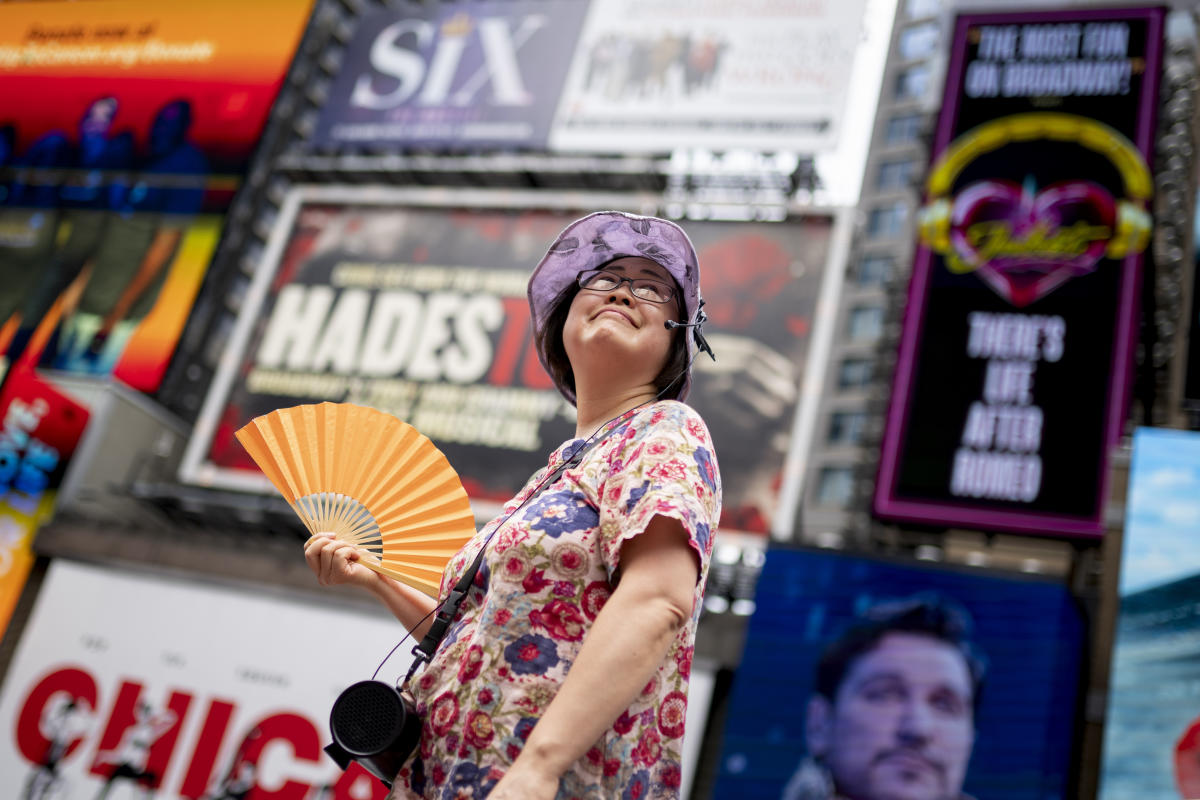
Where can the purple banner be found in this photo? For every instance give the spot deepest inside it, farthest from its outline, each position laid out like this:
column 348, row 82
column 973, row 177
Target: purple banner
column 1014, row 363
column 462, row 75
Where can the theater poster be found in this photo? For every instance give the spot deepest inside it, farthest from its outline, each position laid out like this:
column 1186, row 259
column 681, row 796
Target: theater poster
column 1013, row 375
column 452, row 75
column 415, row 303
column 658, row 75
column 125, row 129
column 864, row 677
column 1152, row 729
column 133, row 685
column 39, row 430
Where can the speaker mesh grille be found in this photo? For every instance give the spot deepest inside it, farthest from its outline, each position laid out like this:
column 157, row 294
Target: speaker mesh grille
column 367, row 717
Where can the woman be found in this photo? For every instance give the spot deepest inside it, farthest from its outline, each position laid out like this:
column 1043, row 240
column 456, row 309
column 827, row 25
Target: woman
column 565, row 671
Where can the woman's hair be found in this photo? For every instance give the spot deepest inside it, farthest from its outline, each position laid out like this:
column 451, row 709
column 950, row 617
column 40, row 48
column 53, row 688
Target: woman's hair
column 550, row 342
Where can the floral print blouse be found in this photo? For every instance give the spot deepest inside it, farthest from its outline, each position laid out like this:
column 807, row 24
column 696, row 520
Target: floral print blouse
column 547, row 572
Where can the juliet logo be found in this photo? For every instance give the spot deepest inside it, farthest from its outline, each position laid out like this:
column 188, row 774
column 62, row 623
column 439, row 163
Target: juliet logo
column 1023, row 240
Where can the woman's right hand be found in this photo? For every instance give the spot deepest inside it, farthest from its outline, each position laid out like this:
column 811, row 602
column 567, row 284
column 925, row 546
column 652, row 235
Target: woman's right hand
column 334, row 562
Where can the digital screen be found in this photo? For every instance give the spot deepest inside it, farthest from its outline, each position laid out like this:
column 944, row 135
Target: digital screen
column 1013, row 373
column 1152, row 731
column 877, row 679
column 125, row 129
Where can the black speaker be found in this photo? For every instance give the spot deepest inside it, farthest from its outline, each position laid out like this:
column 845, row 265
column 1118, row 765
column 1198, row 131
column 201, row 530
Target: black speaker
column 374, row 724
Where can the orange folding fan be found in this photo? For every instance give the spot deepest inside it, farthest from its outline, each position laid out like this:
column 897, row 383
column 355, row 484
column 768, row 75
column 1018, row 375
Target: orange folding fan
column 369, row 479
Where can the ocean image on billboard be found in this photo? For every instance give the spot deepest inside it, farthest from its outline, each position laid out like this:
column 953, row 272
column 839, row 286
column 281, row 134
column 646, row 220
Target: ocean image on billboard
column 1152, row 731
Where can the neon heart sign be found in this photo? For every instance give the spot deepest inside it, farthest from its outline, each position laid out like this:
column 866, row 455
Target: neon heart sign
column 1022, row 241
column 1024, row 244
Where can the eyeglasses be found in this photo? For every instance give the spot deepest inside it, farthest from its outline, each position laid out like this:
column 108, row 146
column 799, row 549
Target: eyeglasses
column 649, row 289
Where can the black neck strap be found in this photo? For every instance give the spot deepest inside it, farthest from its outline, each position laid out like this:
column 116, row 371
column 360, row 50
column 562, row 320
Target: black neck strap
column 423, row 652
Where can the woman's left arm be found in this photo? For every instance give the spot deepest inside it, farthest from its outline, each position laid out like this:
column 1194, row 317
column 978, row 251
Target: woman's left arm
column 627, row 643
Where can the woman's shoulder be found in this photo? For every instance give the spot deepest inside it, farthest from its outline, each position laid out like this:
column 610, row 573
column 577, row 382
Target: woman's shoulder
column 666, row 416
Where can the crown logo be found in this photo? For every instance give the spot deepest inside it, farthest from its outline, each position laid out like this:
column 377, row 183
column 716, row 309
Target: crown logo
column 458, row 25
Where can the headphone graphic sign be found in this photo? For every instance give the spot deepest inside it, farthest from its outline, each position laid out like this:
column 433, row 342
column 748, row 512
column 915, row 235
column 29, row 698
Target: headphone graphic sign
column 1024, row 240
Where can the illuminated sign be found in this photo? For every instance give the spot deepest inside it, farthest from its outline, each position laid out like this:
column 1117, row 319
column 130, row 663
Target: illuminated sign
column 1151, row 737
column 874, row 679
column 126, row 128
column 1013, row 372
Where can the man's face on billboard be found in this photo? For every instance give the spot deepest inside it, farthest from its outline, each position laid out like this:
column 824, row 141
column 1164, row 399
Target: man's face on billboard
column 902, row 724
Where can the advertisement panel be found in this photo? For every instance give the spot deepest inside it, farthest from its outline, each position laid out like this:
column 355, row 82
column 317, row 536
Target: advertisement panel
column 1152, row 733
column 130, row 685
column 658, row 75
column 125, row 128
column 380, row 297
column 138, row 685
column 1014, row 364
column 39, row 430
column 873, row 679
column 468, row 75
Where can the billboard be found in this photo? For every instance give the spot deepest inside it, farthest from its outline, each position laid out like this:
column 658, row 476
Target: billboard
column 39, row 430
column 638, row 76
column 468, row 75
column 658, row 75
column 1152, row 732
column 124, row 131
column 414, row 302
column 131, row 683
column 874, row 679
column 1014, row 364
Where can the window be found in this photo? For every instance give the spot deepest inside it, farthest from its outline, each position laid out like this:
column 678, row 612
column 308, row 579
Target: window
column 896, row 174
column 846, row 427
column 835, row 486
column 864, row 323
column 922, row 8
column 854, row 373
column 918, row 41
column 887, row 220
column 913, row 83
column 904, row 128
column 874, row 270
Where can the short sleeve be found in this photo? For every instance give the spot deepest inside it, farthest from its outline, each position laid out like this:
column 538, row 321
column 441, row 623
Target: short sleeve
column 662, row 464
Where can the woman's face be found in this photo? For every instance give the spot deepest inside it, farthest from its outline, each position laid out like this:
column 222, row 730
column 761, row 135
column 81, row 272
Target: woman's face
column 615, row 327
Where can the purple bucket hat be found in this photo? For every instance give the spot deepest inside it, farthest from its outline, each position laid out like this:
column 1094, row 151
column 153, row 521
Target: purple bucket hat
column 601, row 237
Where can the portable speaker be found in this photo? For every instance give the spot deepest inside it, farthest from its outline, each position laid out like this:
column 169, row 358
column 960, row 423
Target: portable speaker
column 374, row 724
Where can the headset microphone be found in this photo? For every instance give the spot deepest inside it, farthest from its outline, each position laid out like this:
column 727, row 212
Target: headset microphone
column 702, row 345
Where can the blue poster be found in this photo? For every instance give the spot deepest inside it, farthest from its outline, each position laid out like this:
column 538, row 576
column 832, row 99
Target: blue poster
column 453, row 76
column 1152, row 731
column 871, row 679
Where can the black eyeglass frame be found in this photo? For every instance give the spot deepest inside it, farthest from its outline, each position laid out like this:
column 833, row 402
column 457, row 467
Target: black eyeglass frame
column 666, row 289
